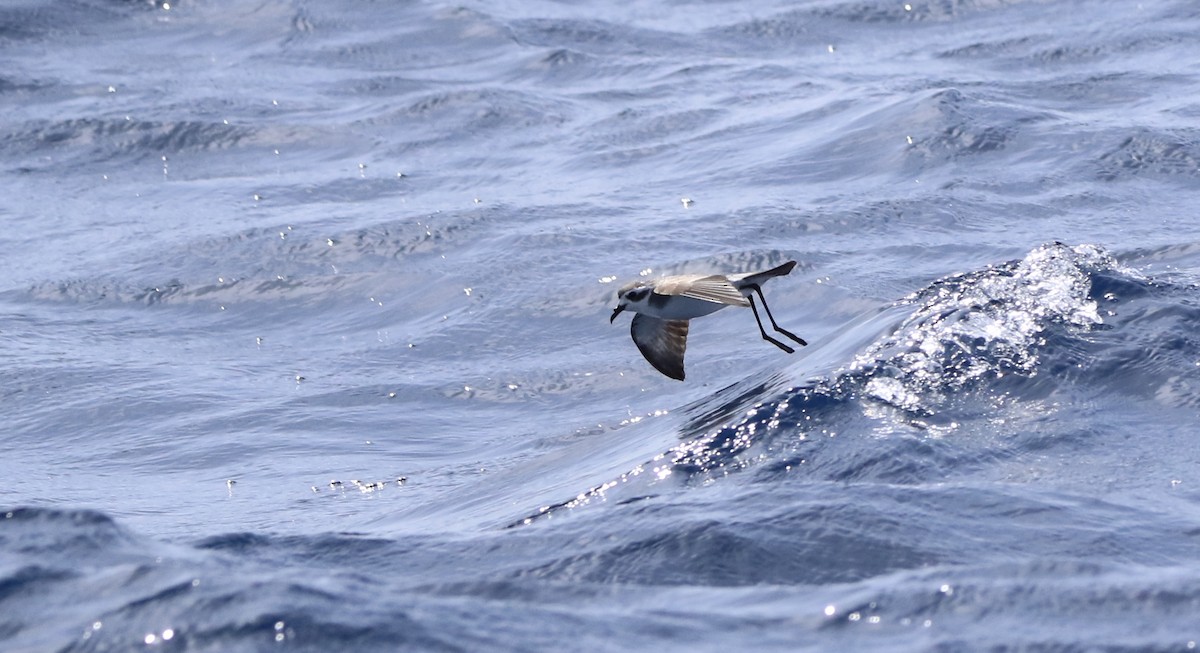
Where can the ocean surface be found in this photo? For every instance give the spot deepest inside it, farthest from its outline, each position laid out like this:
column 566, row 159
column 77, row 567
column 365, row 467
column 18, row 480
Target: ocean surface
column 304, row 316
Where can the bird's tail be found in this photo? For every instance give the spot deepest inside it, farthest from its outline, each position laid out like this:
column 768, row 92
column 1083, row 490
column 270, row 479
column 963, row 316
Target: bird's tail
column 757, row 278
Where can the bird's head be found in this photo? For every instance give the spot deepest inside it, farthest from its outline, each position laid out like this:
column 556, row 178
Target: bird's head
column 631, row 296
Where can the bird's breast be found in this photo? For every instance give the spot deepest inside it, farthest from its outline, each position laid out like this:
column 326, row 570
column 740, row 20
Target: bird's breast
column 678, row 307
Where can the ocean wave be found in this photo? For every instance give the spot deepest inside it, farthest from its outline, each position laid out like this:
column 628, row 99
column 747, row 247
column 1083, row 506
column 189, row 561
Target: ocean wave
column 282, row 263
column 991, row 344
column 1152, row 153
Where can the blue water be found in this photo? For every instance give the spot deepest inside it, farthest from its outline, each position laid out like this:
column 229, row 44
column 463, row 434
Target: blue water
column 253, row 247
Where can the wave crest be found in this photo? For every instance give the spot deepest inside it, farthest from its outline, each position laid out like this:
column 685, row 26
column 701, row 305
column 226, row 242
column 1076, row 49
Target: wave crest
column 899, row 377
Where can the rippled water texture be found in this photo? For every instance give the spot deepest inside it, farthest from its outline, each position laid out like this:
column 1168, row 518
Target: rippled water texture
column 304, row 310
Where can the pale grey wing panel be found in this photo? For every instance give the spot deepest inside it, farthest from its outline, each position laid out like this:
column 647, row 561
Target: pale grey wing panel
column 714, row 288
column 675, row 285
column 662, row 342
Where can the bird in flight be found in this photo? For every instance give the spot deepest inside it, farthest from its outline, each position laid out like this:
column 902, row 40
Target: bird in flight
column 665, row 306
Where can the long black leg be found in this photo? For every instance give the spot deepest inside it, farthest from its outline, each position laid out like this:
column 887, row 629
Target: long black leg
column 758, row 289
column 764, row 331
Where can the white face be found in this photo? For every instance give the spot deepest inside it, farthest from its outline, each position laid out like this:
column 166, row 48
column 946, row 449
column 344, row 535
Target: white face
column 632, row 296
column 635, row 296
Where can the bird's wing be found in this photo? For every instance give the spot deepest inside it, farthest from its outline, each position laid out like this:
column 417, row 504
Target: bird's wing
column 713, row 288
column 662, row 342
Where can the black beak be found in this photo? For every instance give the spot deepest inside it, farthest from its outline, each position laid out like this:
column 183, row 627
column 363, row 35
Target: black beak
column 616, row 312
